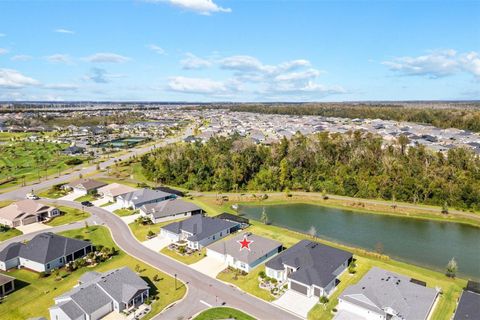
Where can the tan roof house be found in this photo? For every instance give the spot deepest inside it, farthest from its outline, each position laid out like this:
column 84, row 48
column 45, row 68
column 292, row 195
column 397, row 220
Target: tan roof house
column 26, row 212
column 113, row 190
column 85, row 186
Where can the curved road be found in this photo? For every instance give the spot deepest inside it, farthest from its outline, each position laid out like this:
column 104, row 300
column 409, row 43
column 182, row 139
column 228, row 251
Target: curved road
column 202, row 290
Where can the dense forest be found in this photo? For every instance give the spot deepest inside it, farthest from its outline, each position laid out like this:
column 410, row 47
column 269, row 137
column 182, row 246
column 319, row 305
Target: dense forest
column 353, row 164
column 461, row 118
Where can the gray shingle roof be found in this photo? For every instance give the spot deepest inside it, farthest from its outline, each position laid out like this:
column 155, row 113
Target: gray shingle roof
column 11, row 251
column 316, row 262
column 468, row 306
column 380, row 289
column 169, row 207
column 48, row 246
column 90, row 298
column 199, row 226
column 144, row 195
column 71, row 309
column 120, row 284
column 259, row 248
column 43, row 248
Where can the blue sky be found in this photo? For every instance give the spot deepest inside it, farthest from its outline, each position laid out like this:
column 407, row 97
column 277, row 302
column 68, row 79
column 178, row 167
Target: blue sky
column 239, row 50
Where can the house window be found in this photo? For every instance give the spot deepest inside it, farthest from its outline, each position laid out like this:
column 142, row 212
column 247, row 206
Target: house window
column 220, row 234
column 48, row 265
column 213, row 237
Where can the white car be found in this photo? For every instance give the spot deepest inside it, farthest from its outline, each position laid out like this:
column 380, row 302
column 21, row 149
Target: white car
column 31, row 196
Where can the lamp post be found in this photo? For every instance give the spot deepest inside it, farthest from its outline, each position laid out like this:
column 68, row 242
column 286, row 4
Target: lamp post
column 175, row 281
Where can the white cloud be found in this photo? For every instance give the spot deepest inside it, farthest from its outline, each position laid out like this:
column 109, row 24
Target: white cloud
column 251, row 77
column 2, row 35
column 196, row 85
column 191, row 61
column 3, row 51
column 156, row 49
column 106, row 57
column 21, row 57
column 59, row 58
column 470, row 62
column 436, row 64
column 98, row 75
column 204, row 7
column 13, row 79
column 65, row 31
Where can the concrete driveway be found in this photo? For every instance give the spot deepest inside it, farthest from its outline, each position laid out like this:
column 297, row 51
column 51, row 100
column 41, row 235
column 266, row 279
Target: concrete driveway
column 113, row 207
column 209, row 266
column 156, row 244
column 99, row 202
column 33, row 227
column 70, row 197
column 129, row 219
column 296, row 303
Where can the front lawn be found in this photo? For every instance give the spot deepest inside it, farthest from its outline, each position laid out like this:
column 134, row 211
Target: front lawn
column 140, row 231
column 185, row 258
column 223, row 313
column 52, row 193
column 68, row 215
column 248, row 283
column 10, row 233
column 34, row 295
column 125, row 212
column 87, row 197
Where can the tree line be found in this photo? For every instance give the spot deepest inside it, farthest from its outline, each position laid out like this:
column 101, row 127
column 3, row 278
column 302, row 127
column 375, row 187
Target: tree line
column 461, row 118
column 354, row 164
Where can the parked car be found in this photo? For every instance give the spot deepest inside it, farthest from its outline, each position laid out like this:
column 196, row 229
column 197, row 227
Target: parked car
column 87, row 204
column 31, row 196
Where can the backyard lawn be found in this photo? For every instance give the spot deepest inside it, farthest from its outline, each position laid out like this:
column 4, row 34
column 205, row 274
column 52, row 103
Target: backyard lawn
column 68, row 215
column 187, row 259
column 223, row 313
column 34, row 295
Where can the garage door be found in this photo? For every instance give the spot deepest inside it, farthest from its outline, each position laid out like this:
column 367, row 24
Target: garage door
column 298, row 288
column 29, row 220
column 215, row 255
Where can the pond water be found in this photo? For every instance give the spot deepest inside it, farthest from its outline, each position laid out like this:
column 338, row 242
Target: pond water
column 427, row 243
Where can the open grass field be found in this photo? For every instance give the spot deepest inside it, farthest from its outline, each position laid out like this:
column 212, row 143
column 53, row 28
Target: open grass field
column 24, row 161
column 223, row 313
column 187, row 259
column 35, row 295
column 451, row 288
column 68, row 215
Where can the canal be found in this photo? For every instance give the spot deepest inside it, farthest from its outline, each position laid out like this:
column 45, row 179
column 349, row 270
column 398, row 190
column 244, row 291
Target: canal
column 427, row 243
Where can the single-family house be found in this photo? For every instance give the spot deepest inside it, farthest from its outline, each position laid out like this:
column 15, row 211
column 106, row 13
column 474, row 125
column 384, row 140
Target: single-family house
column 7, row 284
column 260, row 249
column 98, row 294
column 111, row 191
column 26, row 212
column 310, row 268
column 468, row 307
column 136, row 199
column 198, row 230
column 169, row 210
column 85, row 186
column 44, row 252
column 385, row 295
